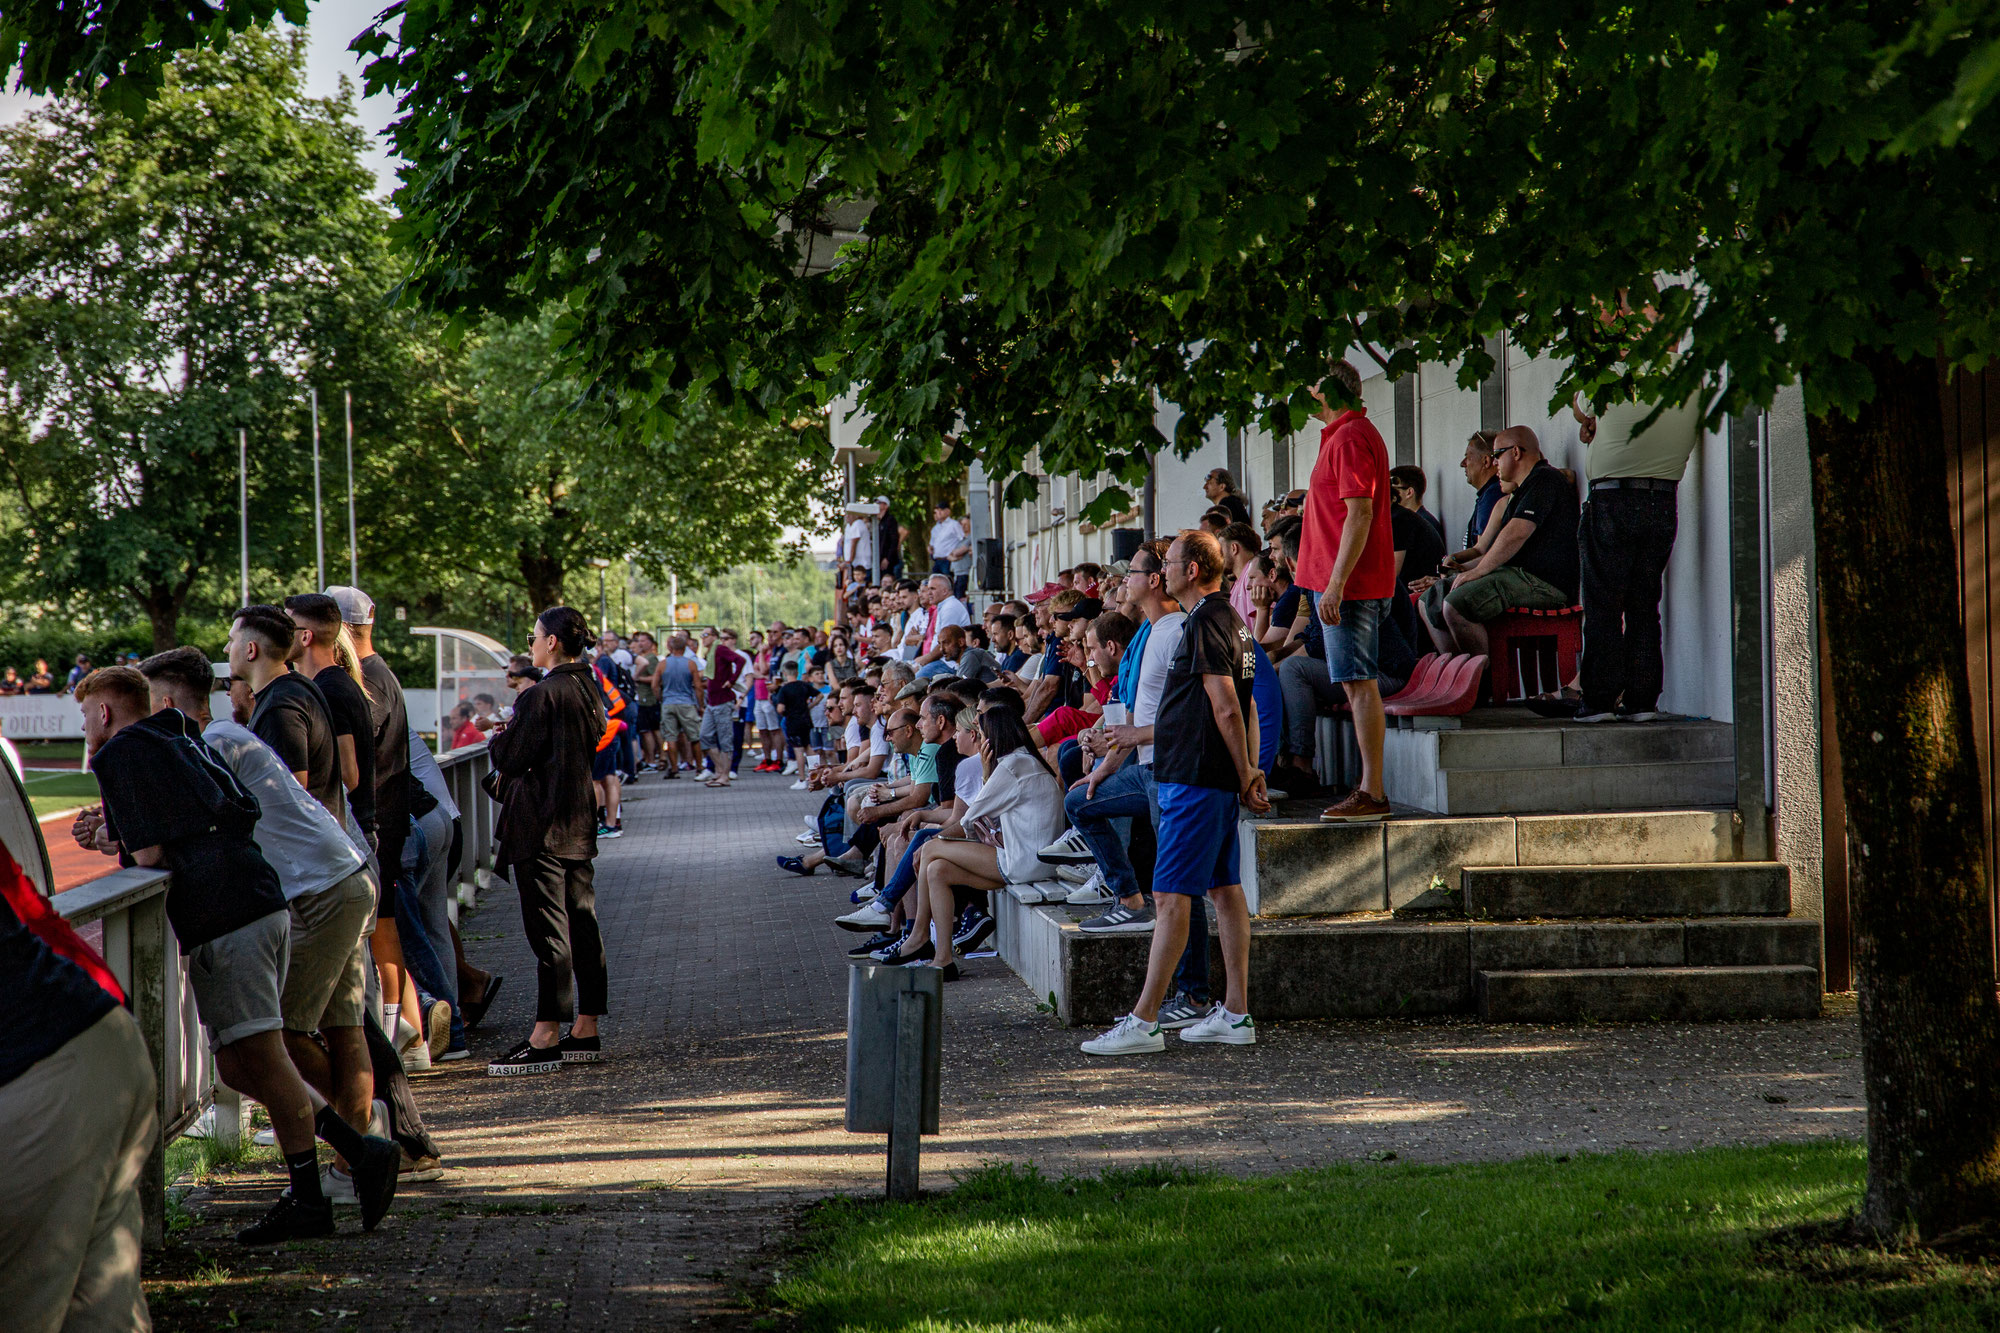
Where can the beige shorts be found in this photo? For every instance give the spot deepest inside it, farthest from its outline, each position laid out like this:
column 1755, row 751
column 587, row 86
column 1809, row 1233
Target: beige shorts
column 237, row 979
column 680, row 720
column 323, row 988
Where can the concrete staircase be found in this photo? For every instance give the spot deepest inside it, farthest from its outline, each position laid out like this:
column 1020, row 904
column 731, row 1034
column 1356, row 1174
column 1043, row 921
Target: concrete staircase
column 1508, row 761
column 1627, row 916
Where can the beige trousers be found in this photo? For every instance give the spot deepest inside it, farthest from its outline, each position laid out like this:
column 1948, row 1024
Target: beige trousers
column 78, row 1125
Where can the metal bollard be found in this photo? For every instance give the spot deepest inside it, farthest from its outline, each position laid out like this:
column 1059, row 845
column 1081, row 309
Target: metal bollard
column 895, row 1031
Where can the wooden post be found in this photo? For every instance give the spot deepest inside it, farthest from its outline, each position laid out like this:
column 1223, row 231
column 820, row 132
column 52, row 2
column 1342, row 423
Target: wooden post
column 1746, row 635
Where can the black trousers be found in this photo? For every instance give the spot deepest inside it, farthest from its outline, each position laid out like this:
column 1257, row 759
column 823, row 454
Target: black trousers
column 559, row 912
column 1624, row 542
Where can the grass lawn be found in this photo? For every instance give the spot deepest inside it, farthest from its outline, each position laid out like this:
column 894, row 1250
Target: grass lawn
column 1625, row 1241
column 35, row 751
column 50, row 792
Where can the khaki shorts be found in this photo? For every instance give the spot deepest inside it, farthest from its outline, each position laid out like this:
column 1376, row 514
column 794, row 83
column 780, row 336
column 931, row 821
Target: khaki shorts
column 680, row 720
column 237, row 979
column 1505, row 589
column 324, row 986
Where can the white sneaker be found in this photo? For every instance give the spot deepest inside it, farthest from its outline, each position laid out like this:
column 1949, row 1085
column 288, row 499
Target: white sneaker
column 791, row 767
column 1219, row 1025
column 1093, row 893
column 1069, row 849
column 802, row 785
column 1076, row 874
column 338, row 1187
column 808, row 839
column 378, row 1118
column 867, row 917
column 1132, row 1036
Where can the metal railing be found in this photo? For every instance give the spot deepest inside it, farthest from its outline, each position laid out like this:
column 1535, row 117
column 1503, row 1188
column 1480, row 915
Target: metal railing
column 124, row 915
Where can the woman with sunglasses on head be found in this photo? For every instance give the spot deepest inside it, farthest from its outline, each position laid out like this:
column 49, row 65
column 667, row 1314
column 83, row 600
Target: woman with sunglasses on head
column 1019, row 807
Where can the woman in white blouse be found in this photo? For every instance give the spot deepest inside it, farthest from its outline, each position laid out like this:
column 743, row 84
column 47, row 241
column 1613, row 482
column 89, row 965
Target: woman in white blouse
column 1021, row 797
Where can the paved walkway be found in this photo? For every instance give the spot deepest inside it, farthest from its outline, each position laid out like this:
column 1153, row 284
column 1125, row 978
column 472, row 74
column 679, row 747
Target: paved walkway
column 646, row 1192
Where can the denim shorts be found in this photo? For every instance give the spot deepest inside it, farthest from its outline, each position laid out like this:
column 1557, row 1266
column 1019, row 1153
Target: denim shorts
column 1197, row 840
column 1354, row 645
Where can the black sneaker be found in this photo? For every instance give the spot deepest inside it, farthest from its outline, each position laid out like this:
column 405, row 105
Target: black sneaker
column 375, row 1179
column 526, row 1059
column 868, row 947
column 289, row 1219
column 923, row 953
column 580, row 1050
column 1182, row 1011
column 976, row 930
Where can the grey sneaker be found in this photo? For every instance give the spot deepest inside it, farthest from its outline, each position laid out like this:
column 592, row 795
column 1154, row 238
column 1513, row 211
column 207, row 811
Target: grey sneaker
column 1120, row 920
column 1182, row 1011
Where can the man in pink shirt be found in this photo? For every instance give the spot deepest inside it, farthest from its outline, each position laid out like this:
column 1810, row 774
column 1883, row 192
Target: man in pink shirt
column 1347, row 562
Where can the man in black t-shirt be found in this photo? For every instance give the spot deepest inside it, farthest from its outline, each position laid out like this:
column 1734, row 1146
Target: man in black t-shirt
column 170, row 801
column 291, row 714
column 1531, row 561
column 1205, row 762
column 317, row 652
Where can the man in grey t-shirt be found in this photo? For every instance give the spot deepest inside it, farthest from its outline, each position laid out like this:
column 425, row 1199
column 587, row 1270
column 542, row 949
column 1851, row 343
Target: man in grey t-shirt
column 680, row 713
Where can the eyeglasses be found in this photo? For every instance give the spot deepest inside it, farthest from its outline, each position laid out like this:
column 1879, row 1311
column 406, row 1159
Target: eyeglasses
column 1506, row 449
column 1148, row 569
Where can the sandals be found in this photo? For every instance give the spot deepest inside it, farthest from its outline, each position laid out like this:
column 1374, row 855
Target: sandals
column 471, row 1011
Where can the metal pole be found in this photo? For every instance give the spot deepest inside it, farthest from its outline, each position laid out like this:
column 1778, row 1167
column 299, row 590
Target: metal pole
column 603, row 605
column 906, row 1123
column 243, row 505
column 1746, row 633
column 319, row 518
column 674, row 600
column 353, row 550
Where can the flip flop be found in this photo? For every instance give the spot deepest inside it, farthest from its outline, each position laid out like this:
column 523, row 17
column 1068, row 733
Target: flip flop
column 472, row 1011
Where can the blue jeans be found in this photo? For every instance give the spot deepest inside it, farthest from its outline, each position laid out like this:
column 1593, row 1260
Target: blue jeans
column 934, row 669
column 420, row 904
column 905, row 877
column 1128, row 794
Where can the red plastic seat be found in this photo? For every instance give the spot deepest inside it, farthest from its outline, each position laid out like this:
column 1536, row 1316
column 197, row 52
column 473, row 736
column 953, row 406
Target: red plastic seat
column 1514, row 634
column 1420, row 679
column 1413, row 702
column 1454, row 694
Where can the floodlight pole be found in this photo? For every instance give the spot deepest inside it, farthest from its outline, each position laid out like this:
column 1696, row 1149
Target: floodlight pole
column 319, row 517
column 243, row 505
column 353, row 550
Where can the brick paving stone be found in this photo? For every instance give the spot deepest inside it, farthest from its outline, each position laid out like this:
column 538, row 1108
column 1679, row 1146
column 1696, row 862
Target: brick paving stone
column 646, row 1192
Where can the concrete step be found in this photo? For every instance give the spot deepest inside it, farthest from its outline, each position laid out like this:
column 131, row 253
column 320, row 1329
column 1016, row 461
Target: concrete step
column 1516, row 893
column 1714, row 942
column 1301, row 867
column 1514, row 763
column 1496, row 791
column 1369, row 966
column 1648, row 994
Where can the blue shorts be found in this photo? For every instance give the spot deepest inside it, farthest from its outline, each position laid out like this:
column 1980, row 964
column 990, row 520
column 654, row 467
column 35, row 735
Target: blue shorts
column 1354, row 646
column 1197, row 840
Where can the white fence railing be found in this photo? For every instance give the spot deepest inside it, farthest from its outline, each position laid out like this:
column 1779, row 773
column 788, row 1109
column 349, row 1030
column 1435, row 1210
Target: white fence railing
column 124, row 915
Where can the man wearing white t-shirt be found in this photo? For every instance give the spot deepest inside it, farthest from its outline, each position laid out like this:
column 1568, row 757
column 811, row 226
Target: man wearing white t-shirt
column 949, row 544
column 1120, row 785
column 857, row 545
column 944, row 610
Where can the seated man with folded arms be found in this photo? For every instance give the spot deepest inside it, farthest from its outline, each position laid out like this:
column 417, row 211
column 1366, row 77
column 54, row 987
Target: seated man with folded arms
column 170, row 801
column 1529, row 561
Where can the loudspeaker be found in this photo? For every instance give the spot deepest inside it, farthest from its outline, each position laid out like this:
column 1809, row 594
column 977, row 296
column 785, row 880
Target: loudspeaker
column 1125, row 543
column 992, row 564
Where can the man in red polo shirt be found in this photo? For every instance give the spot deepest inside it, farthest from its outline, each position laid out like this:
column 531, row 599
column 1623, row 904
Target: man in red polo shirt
column 1347, row 562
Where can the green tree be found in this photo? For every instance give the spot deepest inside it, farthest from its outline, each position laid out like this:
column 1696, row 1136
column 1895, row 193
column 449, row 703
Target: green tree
column 548, row 481
column 165, row 281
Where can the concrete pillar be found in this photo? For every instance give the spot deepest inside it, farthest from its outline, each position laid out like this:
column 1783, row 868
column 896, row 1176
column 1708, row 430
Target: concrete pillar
column 1794, row 618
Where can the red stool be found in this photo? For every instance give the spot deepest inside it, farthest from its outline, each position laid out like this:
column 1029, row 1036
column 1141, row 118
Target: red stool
column 1533, row 651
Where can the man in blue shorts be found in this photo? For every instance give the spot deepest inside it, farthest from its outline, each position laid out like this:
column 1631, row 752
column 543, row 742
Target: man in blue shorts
column 1205, row 765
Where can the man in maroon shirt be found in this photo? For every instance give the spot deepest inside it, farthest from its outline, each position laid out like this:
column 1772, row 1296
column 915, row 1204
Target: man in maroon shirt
column 1347, row 562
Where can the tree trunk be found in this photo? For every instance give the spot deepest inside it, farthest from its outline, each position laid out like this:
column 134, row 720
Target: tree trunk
column 163, row 610
column 543, row 573
column 1930, row 1025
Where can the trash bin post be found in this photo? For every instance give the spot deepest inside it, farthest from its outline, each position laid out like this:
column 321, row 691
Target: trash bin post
column 906, row 1126
column 895, row 1043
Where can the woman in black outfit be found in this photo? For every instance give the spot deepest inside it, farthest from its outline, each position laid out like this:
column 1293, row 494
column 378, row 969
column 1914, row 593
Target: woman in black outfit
column 547, row 833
